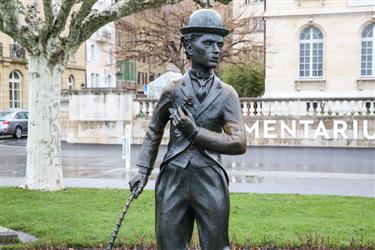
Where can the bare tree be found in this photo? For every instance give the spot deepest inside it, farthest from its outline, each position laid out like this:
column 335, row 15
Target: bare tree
column 156, row 35
column 50, row 32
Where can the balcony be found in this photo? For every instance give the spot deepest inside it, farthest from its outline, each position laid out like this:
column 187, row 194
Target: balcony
column 16, row 51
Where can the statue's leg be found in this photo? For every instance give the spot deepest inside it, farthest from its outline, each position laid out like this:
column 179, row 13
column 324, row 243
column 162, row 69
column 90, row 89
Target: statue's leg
column 174, row 216
column 211, row 207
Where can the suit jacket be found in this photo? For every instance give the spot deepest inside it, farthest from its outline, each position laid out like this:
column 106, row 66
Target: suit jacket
column 220, row 122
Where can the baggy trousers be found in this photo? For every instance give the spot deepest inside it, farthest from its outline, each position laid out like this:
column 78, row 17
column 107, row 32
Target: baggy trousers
column 187, row 194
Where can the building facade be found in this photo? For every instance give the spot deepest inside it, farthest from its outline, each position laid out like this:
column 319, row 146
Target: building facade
column 319, row 48
column 133, row 74
column 100, row 54
column 254, row 10
column 14, row 76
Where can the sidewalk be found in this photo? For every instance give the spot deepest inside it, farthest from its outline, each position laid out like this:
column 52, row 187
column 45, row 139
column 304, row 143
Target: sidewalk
column 287, row 185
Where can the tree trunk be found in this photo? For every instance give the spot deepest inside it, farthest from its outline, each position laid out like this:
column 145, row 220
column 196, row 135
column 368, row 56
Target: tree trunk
column 44, row 168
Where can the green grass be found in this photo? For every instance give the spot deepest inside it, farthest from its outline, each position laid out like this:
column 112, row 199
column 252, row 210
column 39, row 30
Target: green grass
column 86, row 218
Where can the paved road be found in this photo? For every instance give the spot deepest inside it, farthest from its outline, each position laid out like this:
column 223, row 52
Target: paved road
column 261, row 169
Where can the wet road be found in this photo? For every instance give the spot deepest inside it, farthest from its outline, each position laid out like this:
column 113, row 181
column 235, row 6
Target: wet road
column 297, row 168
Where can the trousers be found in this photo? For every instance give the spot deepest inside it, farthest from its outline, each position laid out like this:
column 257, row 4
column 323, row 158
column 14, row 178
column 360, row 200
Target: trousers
column 185, row 195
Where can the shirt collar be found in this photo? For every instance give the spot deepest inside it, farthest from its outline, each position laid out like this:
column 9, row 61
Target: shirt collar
column 197, row 76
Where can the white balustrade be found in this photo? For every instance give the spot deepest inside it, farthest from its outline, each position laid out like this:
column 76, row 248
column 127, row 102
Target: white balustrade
column 286, row 107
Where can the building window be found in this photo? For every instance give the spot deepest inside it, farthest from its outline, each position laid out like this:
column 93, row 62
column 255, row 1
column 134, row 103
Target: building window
column 151, row 77
column 70, row 82
column 258, row 24
column 15, row 90
column 1, row 49
column 129, row 71
column 367, row 51
column 97, row 80
column 142, row 78
column 311, row 53
column 93, row 52
column 109, row 80
column 93, row 84
column 110, row 58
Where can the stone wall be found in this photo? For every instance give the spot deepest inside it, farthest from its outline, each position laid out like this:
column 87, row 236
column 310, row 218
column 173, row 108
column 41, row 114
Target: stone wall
column 320, row 132
column 275, row 130
column 96, row 116
column 101, row 117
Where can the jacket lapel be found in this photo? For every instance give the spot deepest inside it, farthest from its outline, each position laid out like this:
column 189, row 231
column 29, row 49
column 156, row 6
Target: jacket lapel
column 214, row 93
column 188, row 91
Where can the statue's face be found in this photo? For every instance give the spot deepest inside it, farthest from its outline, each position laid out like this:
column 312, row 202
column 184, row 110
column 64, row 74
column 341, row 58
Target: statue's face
column 206, row 50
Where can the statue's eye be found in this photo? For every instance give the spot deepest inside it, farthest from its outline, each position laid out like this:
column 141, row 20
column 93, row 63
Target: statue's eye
column 207, row 43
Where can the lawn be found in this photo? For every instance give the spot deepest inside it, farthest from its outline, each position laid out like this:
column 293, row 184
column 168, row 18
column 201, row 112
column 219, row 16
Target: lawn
column 86, row 217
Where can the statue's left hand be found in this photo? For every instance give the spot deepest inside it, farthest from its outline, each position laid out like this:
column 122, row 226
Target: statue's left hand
column 185, row 122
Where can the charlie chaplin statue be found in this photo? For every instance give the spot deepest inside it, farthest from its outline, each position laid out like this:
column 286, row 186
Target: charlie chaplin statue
column 206, row 121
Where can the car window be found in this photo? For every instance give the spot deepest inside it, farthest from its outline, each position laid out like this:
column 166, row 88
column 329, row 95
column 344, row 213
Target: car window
column 21, row 115
column 27, row 115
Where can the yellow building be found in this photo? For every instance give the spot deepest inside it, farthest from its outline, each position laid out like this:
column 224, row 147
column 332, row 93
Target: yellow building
column 14, row 87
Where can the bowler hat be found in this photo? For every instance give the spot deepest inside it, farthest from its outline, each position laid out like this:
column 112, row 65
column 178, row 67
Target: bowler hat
column 205, row 21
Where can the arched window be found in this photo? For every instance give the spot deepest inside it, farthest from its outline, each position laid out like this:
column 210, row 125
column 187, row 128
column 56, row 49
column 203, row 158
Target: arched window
column 70, row 82
column 367, row 51
column 311, row 53
column 15, row 90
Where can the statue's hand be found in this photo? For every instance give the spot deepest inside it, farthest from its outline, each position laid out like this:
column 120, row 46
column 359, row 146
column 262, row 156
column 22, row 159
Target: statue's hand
column 137, row 183
column 184, row 121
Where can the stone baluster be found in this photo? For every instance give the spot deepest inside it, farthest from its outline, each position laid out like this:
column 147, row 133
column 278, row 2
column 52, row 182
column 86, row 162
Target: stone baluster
column 353, row 107
column 340, row 108
column 284, row 108
column 347, row 108
column 266, row 108
column 244, row 109
column 372, row 108
column 337, row 107
column 251, row 108
column 309, row 108
column 363, row 109
column 276, row 108
column 319, row 108
column 259, row 108
column 137, row 108
column 327, row 108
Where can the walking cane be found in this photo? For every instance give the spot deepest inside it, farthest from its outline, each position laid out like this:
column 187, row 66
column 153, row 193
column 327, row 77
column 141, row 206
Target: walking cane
column 120, row 219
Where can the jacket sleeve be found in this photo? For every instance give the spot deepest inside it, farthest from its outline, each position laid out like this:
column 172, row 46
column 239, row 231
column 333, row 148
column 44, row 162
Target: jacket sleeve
column 160, row 118
column 233, row 139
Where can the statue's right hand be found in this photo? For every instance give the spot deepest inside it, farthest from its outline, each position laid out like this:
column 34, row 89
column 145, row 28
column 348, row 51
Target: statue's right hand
column 137, row 183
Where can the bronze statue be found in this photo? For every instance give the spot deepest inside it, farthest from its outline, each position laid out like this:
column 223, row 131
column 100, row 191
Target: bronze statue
column 206, row 121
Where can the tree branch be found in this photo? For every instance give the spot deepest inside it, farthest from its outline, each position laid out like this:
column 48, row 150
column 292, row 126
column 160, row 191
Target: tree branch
column 9, row 14
column 93, row 21
column 9, row 17
column 47, row 10
column 60, row 19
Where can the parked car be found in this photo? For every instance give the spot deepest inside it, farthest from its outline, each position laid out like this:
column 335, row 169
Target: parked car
column 14, row 122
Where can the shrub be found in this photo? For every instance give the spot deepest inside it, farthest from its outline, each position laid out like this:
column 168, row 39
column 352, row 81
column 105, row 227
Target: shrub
column 247, row 80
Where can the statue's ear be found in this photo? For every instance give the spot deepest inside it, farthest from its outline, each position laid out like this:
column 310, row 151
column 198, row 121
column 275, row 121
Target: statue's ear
column 188, row 49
